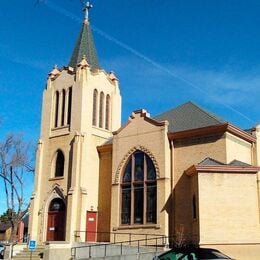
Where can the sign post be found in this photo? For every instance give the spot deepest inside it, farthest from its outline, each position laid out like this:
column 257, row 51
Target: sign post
column 32, row 247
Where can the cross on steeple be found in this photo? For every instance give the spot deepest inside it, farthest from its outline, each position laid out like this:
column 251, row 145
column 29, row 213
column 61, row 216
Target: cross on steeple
column 87, row 7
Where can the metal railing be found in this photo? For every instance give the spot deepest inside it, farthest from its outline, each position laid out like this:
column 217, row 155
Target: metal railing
column 120, row 248
column 112, row 237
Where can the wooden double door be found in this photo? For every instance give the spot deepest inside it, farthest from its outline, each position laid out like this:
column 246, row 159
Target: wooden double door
column 56, row 221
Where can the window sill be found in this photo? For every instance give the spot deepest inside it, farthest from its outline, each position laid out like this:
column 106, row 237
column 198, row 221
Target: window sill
column 61, row 130
column 56, row 178
column 101, row 129
column 154, row 226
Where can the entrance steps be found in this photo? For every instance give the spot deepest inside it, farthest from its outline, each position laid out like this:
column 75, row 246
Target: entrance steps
column 26, row 254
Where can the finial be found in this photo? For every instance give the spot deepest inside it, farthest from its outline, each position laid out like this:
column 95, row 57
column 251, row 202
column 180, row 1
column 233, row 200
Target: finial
column 84, row 62
column 87, row 7
column 112, row 76
column 55, row 72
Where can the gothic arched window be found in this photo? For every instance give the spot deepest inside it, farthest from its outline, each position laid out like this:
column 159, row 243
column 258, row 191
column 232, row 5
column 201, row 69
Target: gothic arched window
column 107, row 112
column 63, row 107
column 59, row 166
column 56, row 114
column 69, row 106
column 139, row 190
column 94, row 115
column 101, row 110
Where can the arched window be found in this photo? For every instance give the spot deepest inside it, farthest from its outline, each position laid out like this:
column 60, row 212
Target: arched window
column 57, row 204
column 94, row 115
column 139, row 190
column 101, row 108
column 59, row 166
column 69, row 106
column 56, row 119
column 63, row 107
column 107, row 112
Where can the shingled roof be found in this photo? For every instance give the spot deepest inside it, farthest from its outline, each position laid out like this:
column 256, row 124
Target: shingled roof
column 211, row 162
column 85, row 47
column 189, row 116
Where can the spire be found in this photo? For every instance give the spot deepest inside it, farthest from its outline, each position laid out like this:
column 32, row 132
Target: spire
column 85, row 44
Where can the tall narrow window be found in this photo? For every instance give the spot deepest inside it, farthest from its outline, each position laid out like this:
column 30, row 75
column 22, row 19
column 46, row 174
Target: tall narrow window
column 101, row 110
column 59, row 167
column 139, row 191
column 63, row 107
column 94, row 115
column 107, row 112
column 69, row 106
column 56, row 119
column 194, row 207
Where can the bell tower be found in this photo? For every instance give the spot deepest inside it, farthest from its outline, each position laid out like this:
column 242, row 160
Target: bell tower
column 80, row 110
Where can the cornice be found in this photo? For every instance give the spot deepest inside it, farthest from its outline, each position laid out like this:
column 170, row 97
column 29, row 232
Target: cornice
column 216, row 129
column 194, row 169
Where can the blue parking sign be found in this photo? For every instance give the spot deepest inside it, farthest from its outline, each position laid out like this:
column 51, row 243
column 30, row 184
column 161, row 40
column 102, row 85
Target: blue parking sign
column 32, row 245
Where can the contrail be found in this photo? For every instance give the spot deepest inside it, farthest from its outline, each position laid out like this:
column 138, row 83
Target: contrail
column 75, row 18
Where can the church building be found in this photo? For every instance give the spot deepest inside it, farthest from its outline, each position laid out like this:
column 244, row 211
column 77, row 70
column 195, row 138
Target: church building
column 185, row 171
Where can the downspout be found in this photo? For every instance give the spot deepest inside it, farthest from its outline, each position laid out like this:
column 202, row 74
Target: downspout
column 172, row 190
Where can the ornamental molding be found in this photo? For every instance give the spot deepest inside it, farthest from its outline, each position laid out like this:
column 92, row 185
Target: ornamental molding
column 128, row 154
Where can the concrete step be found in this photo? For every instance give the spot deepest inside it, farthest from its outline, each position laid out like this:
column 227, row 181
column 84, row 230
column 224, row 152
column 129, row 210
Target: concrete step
column 27, row 254
column 141, row 256
column 27, row 258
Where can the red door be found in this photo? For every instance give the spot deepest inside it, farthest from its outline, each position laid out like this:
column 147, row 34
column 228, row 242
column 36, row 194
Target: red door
column 55, row 229
column 91, row 226
column 56, row 221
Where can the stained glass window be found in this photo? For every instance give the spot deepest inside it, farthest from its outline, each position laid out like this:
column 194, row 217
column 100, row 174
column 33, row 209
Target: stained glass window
column 139, row 191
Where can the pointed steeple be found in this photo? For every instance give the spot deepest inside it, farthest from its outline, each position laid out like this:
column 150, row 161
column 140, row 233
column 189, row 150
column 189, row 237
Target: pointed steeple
column 85, row 45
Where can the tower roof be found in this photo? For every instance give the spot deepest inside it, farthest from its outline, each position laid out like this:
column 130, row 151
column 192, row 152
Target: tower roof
column 85, row 47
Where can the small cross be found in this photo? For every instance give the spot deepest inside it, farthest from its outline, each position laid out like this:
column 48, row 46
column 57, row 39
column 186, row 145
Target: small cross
column 87, row 7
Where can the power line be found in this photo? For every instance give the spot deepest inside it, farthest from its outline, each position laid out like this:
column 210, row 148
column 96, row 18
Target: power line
column 138, row 54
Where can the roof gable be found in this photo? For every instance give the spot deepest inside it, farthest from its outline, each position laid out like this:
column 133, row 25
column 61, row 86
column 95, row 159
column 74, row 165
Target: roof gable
column 140, row 115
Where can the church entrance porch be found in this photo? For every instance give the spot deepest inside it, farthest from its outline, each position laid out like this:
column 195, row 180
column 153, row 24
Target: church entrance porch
column 56, row 221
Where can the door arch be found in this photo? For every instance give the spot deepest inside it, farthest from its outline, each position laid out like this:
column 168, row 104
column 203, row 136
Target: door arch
column 56, row 220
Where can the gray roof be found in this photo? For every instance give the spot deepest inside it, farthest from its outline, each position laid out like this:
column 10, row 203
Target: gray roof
column 189, row 116
column 85, row 46
column 210, row 162
column 239, row 163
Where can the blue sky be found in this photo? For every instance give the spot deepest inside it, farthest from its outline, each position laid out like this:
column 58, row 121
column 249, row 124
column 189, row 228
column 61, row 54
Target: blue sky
column 164, row 53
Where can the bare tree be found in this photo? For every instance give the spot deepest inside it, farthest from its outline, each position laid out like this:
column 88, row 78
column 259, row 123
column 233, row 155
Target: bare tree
column 14, row 163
